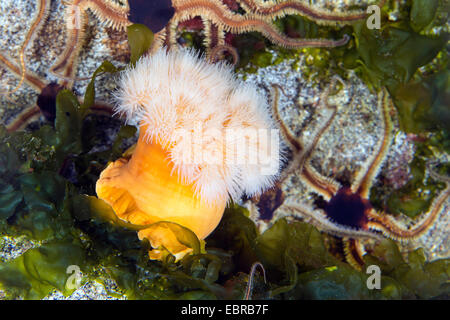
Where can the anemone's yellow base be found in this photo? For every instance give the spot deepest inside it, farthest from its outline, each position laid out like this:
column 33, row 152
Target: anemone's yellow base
column 143, row 191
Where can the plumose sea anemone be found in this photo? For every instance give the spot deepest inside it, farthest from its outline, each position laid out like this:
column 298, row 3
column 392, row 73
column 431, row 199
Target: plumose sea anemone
column 205, row 139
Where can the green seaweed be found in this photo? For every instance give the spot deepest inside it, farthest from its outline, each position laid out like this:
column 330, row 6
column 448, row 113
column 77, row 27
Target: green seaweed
column 38, row 271
column 422, row 13
column 106, row 66
column 392, row 55
column 290, row 238
column 293, row 253
column 416, row 276
column 140, row 39
column 415, row 197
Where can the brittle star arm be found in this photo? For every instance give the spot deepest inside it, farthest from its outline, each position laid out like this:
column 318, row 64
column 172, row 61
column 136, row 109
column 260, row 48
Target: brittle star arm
column 300, row 162
column 319, row 219
column 215, row 45
column 278, row 9
column 160, row 39
column 109, row 12
column 392, row 229
column 353, row 248
column 215, row 36
column 365, row 177
column 219, row 14
column 249, row 289
column 29, row 77
column 32, row 113
column 64, row 66
column 217, row 52
column 43, row 7
column 354, row 252
column 326, row 186
column 34, row 81
column 24, row 118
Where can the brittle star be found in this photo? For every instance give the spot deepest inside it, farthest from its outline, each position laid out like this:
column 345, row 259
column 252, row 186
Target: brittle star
column 348, row 213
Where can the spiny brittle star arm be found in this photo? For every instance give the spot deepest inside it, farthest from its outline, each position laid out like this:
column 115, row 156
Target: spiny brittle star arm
column 278, row 9
column 354, row 252
column 108, row 12
column 364, row 179
column 28, row 76
column 43, row 7
column 300, row 162
column 249, row 289
column 320, row 220
column 218, row 13
column 391, row 228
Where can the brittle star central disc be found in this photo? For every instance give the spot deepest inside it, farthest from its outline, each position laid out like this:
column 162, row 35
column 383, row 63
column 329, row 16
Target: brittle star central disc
column 155, row 14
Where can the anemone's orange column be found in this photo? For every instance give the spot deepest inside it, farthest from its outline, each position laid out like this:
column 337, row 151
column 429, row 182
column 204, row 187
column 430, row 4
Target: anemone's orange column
column 145, row 189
